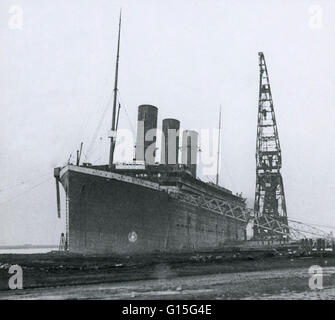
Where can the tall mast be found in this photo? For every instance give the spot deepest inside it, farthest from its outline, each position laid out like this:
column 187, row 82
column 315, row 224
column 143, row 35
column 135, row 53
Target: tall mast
column 113, row 131
column 219, row 144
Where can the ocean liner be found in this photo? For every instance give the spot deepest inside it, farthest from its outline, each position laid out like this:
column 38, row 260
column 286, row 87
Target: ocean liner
column 145, row 206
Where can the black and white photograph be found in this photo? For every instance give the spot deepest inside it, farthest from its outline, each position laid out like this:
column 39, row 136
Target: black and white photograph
column 167, row 150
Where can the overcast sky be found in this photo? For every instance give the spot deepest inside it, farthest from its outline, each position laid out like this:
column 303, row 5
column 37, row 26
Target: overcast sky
column 186, row 57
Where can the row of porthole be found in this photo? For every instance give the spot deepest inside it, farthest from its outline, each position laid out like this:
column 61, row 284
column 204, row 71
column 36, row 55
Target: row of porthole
column 144, row 175
column 132, row 236
column 199, row 229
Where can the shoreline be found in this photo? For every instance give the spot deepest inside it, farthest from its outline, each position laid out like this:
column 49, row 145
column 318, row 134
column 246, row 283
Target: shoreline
column 60, row 270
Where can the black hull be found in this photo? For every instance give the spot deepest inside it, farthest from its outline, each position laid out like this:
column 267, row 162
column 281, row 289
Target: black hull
column 107, row 215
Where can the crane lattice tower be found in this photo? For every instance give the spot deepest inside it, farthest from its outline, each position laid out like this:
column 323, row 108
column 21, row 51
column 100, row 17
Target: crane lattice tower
column 269, row 194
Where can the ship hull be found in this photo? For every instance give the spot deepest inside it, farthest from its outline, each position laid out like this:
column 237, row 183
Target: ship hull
column 110, row 214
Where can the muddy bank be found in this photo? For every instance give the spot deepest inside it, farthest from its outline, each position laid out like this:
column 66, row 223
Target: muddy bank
column 288, row 283
column 59, row 269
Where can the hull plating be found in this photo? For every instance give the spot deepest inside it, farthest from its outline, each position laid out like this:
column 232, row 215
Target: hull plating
column 112, row 216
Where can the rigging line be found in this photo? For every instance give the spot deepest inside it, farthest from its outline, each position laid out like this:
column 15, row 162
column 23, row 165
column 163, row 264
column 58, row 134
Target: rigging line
column 89, row 113
column 125, row 110
column 34, row 170
column 26, row 191
column 94, row 136
column 219, row 149
column 225, row 165
column 93, row 149
column 210, row 179
column 85, row 155
column 98, row 127
column 311, row 224
column 22, row 183
column 322, row 226
column 96, row 160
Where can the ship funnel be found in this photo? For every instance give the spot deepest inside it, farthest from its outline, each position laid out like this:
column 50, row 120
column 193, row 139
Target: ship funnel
column 170, row 141
column 190, row 150
column 146, row 134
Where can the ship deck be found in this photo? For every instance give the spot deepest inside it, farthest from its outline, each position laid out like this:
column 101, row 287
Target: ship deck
column 173, row 177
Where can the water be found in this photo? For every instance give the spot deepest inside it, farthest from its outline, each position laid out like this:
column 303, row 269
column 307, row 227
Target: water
column 26, row 250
